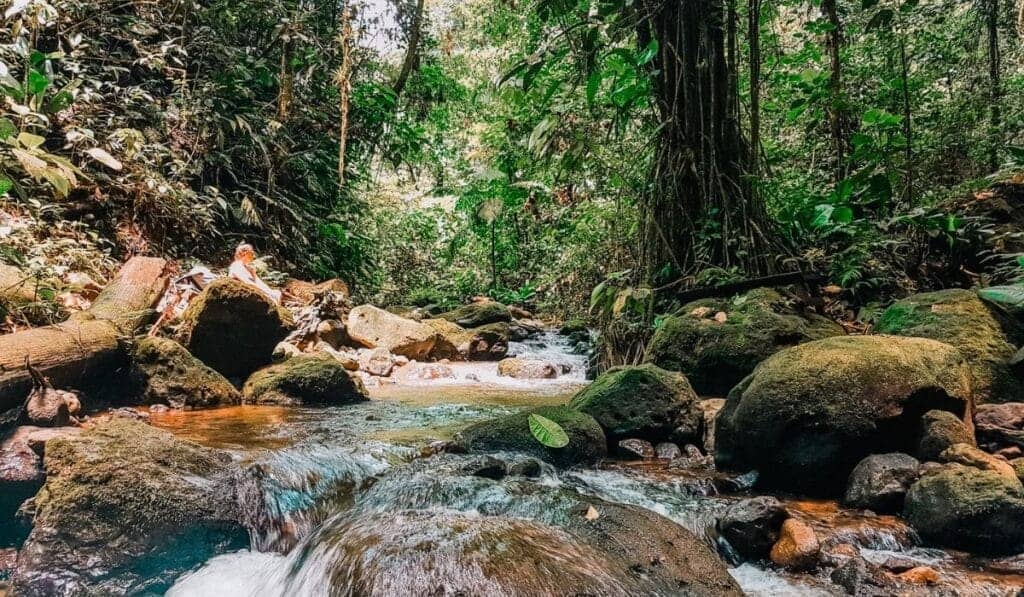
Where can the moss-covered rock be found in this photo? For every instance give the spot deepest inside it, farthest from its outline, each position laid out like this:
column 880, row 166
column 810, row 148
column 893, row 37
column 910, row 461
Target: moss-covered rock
column 940, row 430
column 303, row 380
column 233, row 328
column 573, row 326
column 810, row 413
column 1018, row 467
column 512, row 433
column 477, row 314
column 126, row 509
column 967, row 508
column 166, row 373
column 961, row 319
column 715, row 355
column 643, row 402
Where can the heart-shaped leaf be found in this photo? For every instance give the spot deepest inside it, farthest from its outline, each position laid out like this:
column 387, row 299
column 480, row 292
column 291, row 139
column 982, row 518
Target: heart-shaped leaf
column 548, row 432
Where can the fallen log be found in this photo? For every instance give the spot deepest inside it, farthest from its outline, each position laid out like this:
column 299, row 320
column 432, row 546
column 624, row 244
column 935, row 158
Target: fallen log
column 88, row 345
column 687, row 295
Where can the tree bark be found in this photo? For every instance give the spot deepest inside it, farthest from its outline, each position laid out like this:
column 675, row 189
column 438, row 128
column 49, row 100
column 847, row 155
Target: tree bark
column 995, row 85
column 754, row 42
column 700, row 209
column 411, row 52
column 838, row 121
column 87, row 346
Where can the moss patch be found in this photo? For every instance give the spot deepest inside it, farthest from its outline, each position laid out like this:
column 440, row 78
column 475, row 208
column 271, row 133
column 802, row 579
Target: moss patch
column 960, row 318
column 715, row 355
column 810, row 413
column 304, row 380
column 643, row 402
column 166, row 373
column 233, row 328
column 512, row 433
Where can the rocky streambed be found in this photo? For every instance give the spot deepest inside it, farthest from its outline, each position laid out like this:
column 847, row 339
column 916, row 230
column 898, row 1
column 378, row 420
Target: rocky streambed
column 435, row 484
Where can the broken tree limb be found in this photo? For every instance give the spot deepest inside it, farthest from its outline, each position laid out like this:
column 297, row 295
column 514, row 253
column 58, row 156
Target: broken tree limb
column 87, row 346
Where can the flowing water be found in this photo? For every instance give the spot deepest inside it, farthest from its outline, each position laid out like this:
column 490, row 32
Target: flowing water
column 342, row 491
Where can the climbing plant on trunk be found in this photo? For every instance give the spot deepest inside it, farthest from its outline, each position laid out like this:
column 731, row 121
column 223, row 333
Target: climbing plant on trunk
column 701, row 208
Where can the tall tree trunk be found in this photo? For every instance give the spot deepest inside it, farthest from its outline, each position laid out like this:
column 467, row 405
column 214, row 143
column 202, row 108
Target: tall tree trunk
column 995, row 90
column 754, row 42
column 837, row 116
column 700, row 208
column 344, row 81
column 412, row 51
column 908, row 132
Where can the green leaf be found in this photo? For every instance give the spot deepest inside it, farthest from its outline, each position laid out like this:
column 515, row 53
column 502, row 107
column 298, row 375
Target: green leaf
column 1012, row 296
column 31, row 141
column 7, row 128
column 548, row 432
column 593, row 85
column 648, row 53
column 6, row 184
column 37, row 82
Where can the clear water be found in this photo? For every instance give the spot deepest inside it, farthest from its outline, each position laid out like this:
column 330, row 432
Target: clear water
column 317, row 473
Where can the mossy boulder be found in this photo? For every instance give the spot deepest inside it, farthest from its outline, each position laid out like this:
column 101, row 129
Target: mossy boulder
column 941, row 430
column 715, row 355
column 126, row 508
column 165, row 373
column 573, row 326
column 961, row 319
column 233, row 328
column 512, row 433
column 479, row 313
column 967, row 508
column 304, row 380
column 485, row 343
column 644, row 402
column 810, row 413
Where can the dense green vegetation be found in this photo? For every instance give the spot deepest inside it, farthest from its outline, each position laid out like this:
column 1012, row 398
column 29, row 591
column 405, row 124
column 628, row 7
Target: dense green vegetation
column 529, row 150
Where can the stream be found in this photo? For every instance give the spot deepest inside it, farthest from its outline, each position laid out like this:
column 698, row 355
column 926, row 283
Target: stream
column 368, row 470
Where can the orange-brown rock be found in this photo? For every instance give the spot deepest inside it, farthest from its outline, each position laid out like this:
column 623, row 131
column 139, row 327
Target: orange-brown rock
column 797, row 547
column 920, row 575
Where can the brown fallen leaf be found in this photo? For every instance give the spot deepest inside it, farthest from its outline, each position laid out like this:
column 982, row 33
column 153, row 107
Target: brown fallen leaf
column 721, row 317
column 592, row 513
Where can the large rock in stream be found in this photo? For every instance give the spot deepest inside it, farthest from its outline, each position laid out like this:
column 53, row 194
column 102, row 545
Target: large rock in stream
column 414, row 552
column 968, row 508
column 233, row 328
column 644, row 402
column 125, row 509
column 512, row 433
column 961, row 319
column 304, row 380
column 810, row 413
column 715, row 355
column 376, row 328
column 165, row 373
column 479, row 313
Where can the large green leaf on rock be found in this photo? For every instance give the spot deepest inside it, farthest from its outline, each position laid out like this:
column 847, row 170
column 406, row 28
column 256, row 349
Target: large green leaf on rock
column 548, row 432
column 1012, row 296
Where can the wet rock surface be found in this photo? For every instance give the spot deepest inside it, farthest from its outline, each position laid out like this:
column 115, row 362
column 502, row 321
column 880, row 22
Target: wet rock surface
column 968, row 508
column 644, row 402
column 479, row 313
column 527, row 369
column 166, row 373
column 125, row 509
column 880, row 482
column 810, row 413
column 752, row 526
column 303, row 380
column 233, row 328
column 715, row 355
column 587, row 443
